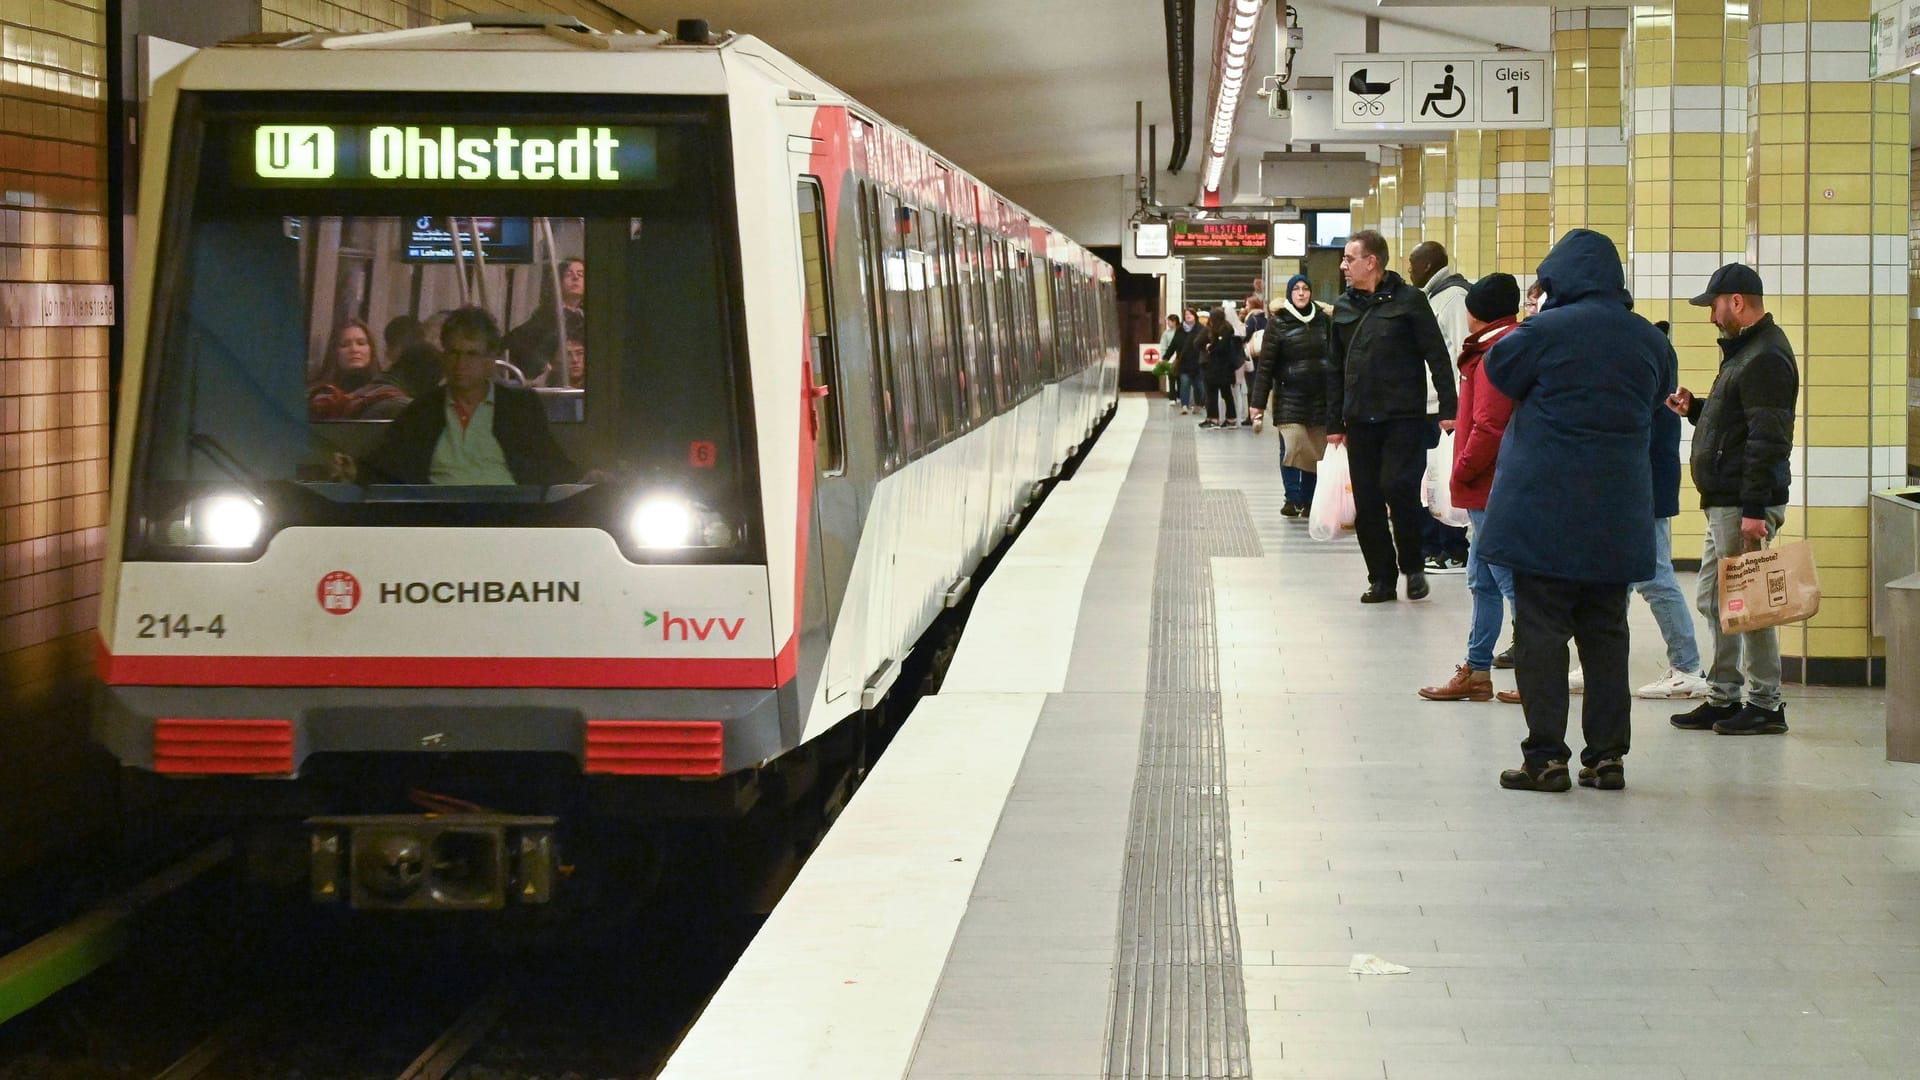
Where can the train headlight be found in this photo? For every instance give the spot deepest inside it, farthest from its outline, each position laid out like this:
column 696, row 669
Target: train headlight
column 672, row 523
column 226, row 522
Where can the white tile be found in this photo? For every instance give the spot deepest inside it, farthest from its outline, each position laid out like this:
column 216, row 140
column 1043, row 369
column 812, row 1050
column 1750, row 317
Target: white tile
column 1848, row 250
column 1839, row 66
column 1840, row 37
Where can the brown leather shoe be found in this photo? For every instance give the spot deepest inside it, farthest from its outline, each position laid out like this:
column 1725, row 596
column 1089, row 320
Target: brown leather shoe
column 1467, row 684
column 1511, row 697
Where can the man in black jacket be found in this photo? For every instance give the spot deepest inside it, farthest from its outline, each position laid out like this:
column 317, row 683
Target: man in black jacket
column 1742, row 439
column 1383, row 345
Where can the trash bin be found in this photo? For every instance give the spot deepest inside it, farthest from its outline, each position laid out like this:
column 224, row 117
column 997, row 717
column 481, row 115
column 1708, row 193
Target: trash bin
column 1900, row 600
column 1896, row 543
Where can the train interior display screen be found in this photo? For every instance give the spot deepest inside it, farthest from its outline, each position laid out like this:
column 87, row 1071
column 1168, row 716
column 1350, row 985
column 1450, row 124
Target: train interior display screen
column 490, row 239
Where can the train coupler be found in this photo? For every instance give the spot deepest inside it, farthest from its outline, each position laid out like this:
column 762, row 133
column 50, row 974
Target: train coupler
column 432, row 862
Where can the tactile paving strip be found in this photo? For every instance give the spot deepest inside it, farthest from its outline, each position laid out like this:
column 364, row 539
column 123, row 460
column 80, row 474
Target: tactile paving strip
column 1179, row 1002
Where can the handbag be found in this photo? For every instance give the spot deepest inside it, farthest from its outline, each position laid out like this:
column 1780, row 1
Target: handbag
column 1767, row 587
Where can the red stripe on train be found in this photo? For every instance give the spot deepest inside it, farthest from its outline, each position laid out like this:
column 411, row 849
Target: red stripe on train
column 546, row 672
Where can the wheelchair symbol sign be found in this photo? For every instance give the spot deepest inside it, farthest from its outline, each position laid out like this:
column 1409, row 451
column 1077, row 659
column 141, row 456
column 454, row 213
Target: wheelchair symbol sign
column 1443, row 88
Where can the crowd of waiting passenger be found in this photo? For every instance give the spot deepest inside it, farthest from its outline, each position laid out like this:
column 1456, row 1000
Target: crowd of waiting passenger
column 1565, row 430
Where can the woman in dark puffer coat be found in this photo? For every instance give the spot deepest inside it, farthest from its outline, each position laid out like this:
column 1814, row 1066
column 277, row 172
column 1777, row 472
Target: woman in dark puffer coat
column 1293, row 369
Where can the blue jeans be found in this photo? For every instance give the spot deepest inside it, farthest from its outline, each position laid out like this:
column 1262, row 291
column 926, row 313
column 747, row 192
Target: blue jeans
column 1189, row 390
column 1488, row 584
column 1669, row 604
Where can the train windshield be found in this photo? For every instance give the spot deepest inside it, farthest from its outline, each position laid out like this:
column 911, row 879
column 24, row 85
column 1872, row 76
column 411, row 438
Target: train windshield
column 430, row 310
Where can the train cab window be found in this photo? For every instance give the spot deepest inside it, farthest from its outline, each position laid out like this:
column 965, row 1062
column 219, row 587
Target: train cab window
column 829, row 450
column 418, row 310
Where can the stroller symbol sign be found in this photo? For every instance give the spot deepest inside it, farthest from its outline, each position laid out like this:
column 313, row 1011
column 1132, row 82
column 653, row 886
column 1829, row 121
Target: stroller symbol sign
column 1374, row 92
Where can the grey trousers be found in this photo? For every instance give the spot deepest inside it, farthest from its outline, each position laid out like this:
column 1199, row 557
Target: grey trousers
column 1756, row 655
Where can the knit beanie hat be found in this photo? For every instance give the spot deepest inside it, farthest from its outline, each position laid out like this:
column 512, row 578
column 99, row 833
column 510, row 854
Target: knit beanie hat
column 1494, row 297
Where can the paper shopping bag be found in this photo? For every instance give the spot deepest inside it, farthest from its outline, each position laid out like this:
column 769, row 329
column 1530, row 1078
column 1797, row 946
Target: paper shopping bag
column 1768, row 587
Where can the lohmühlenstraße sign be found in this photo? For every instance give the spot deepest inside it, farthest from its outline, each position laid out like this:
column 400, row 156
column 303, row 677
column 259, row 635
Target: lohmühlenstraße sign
column 1896, row 40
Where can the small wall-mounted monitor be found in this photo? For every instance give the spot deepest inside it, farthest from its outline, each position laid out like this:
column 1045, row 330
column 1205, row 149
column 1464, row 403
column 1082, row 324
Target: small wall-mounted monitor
column 1331, row 227
column 1289, row 239
column 1150, row 240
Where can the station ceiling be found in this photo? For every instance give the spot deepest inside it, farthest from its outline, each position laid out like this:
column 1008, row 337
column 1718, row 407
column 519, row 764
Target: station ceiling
column 1029, row 93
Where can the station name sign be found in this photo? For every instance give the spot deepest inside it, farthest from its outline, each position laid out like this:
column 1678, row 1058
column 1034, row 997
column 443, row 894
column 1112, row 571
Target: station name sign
column 1220, row 238
column 496, row 156
column 1896, row 40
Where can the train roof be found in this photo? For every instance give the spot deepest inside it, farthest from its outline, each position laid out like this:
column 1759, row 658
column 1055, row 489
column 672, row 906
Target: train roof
column 533, row 35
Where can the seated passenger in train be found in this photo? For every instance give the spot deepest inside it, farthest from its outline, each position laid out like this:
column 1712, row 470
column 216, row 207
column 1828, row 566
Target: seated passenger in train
column 347, row 380
column 415, row 371
column 470, row 430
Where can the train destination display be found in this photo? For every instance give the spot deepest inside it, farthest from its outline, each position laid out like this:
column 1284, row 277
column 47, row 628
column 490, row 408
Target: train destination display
column 1220, row 237
column 378, row 155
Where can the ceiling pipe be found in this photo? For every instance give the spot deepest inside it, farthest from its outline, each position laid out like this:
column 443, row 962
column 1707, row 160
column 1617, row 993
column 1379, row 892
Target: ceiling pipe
column 1179, row 15
column 1232, row 59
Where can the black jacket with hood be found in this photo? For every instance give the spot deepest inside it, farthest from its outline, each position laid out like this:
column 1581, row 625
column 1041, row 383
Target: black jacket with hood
column 1293, row 368
column 1743, row 428
column 1382, row 347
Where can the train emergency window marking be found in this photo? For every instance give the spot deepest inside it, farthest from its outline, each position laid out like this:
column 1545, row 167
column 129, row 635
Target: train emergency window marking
column 499, row 155
column 317, row 344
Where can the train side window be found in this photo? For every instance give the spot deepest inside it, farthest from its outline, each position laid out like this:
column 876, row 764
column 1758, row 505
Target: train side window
column 872, row 284
column 978, row 346
column 829, row 445
column 999, row 347
column 932, row 313
column 1042, row 289
column 909, row 402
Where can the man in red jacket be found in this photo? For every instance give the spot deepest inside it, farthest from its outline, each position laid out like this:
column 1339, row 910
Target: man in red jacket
column 1492, row 306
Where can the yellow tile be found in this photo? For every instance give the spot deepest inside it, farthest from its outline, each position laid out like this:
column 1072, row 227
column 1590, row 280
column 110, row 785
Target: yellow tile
column 1840, row 643
column 1839, row 552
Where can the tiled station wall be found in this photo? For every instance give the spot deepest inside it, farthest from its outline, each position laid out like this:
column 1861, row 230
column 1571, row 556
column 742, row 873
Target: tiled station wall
column 54, row 394
column 53, row 420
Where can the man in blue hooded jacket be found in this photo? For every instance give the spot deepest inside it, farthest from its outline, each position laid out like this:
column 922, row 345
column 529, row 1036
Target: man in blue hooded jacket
column 1571, row 512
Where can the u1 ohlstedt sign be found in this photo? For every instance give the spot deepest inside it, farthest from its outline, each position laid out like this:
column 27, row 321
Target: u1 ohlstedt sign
column 1442, row 91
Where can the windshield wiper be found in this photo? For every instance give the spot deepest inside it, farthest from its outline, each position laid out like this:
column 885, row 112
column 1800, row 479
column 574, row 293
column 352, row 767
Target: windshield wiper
column 227, row 460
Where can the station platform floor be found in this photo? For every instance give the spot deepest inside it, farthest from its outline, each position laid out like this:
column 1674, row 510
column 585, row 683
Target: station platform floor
column 1178, row 780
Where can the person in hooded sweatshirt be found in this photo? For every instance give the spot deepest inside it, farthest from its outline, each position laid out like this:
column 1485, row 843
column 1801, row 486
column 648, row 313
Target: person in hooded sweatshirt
column 1571, row 512
column 1383, row 347
column 1292, row 370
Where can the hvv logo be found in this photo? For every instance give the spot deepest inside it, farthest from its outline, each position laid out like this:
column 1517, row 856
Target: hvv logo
column 678, row 628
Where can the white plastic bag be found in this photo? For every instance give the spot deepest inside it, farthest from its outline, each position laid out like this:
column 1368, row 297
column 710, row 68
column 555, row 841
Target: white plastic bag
column 1332, row 508
column 1437, row 492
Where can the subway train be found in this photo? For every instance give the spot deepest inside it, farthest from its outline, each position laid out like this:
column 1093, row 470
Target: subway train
column 527, row 434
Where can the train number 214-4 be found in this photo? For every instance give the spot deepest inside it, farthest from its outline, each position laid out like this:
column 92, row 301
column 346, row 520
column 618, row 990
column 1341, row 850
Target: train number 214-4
column 173, row 626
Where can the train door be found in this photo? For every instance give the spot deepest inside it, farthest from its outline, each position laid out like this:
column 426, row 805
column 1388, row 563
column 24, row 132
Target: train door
column 836, row 511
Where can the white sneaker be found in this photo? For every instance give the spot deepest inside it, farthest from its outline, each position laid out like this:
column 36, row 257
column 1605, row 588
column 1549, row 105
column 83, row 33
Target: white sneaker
column 1576, row 681
column 1677, row 684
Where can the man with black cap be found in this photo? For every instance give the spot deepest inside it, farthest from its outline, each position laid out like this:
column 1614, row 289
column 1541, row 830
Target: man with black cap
column 1742, row 442
column 1586, row 376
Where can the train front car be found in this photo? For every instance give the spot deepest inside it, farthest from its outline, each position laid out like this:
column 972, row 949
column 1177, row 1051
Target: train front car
column 437, row 498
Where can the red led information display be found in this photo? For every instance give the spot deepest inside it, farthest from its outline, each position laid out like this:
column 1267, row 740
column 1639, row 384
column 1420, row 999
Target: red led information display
column 1220, row 238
